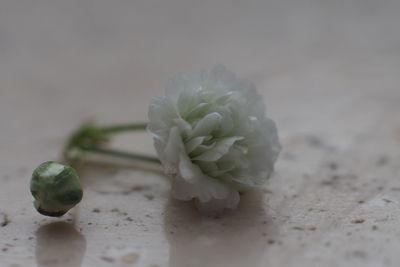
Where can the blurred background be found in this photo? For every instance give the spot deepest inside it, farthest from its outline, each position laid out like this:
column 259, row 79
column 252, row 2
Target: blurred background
column 83, row 58
column 329, row 71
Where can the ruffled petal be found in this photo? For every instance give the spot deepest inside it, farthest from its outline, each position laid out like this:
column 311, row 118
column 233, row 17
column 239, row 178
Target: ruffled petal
column 207, row 124
column 221, row 148
column 194, row 143
column 170, row 155
column 187, row 170
column 204, row 189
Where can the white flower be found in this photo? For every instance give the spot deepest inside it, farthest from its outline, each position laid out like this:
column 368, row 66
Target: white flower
column 212, row 137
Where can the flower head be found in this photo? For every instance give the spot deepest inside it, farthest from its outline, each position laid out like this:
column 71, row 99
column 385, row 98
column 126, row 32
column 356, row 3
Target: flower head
column 213, row 137
column 56, row 188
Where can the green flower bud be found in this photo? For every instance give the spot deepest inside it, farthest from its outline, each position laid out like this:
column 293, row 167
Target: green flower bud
column 56, row 189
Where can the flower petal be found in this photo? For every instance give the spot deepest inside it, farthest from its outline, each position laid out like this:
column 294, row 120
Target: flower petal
column 171, row 152
column 221, row 148
column 182, row 82
column 207, row 124
column 187, row 170
column 184, row 127
column 204, row 189
column 194, row 143
column 187, row 100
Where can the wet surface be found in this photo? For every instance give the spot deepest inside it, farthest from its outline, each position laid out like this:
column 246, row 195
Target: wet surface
column 59, row 244
column 196, row 239
column 328, row 71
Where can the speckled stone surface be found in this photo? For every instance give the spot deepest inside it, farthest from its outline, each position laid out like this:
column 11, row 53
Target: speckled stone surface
column 329, row 72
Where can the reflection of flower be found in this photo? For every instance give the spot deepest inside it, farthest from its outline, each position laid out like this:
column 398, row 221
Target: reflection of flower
column 212, row 137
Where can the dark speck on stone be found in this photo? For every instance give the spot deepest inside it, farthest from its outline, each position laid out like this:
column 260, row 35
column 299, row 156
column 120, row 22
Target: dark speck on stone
column 96, row 210
column 313, row 140
column 333, row 166
column 149, row 197
column 140, row 187
column 359, row 254
column 383, row 160
column 107, row 259
column 358, row 221
column 4, row 221
column 267, row 191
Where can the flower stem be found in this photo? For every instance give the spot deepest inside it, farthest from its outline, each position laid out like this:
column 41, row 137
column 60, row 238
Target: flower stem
column 91, row 138
column 121, row 154
column 122, row 128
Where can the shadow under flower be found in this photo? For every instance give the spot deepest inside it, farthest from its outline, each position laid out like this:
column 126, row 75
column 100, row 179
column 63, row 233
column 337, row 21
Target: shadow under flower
column 59, row 244
column 234, row 238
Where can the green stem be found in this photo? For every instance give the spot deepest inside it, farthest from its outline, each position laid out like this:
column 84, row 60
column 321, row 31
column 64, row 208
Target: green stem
column 121, row 154
column 122, row 128
column 90, row 138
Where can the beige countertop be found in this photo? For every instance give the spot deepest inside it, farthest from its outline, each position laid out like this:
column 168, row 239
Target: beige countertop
column 329, row 72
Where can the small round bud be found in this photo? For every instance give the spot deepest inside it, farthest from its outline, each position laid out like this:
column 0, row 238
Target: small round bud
column 56, row 188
